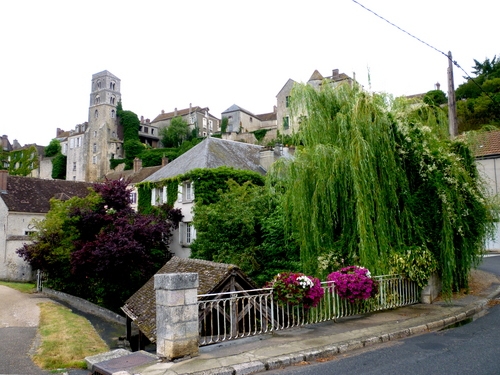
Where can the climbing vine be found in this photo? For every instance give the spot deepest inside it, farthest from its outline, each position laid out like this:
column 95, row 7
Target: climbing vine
column 22, row 162
column 206, row 183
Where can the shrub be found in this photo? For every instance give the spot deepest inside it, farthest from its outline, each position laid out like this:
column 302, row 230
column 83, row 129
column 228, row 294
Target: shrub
column 353, row 283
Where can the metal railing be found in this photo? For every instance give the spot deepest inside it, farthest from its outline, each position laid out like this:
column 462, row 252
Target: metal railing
column 231, row 315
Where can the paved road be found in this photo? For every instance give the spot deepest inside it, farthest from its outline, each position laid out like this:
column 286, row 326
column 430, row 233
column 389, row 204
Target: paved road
column 470, row 349
column 19, row 316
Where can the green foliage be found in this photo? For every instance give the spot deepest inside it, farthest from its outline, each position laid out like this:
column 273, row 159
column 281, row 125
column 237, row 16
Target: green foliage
column 22, row 162
column 176, row 133
column 416, row 264
column 53, row 148
column 435, row 97
column 478, row 99
column 223, row 124
column 59, row 167
column 260, row 134
column 113, row 163
column 86, row 245
column 132, row 149
column 243, row 227
column 374, row 177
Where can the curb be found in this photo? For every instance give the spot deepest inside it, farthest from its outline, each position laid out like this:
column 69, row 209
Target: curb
column 327, row 351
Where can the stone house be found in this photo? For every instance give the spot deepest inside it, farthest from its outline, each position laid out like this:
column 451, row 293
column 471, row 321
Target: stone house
column 242, row 123
column 287, row 124
column 213, row 277
column 196, row 117
column 210, row 153
column 137, row 174
column 22, row 200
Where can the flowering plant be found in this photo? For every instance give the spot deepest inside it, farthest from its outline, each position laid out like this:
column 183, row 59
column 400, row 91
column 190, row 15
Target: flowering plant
column 297, row 288
column 353, row 283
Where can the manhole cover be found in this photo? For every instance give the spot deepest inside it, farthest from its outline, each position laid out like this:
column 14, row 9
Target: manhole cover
column 122, row 363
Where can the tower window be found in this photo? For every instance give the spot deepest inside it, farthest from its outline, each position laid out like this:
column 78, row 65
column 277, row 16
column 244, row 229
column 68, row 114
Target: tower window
column 98, row 84
column 96, row 113
column 94, row 147
column 97, row 99
column 95, row 133
column 112, row 100
column 112, row 113
column 74, row 166
column 112, row 85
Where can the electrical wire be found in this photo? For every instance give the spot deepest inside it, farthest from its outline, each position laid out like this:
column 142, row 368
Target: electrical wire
column 428, row 45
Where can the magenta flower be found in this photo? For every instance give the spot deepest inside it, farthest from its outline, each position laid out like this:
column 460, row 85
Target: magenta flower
column 353, row 283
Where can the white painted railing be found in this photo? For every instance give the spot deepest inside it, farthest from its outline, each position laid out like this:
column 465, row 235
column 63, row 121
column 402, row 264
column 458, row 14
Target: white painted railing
column 232, row 315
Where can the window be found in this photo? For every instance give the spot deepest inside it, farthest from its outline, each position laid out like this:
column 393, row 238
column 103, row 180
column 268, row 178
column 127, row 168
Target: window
column 95, row 133
column 112, row 85
column 29, row 232
column 96, row 113
column 98, row 84
column 159, row 196
column 72, row 143
column 112, row 100
column 287, row 101
column 210, row 124
column 146, row 129
column 97, row 99
column 94, row 159
column 186, row 192
column 152, row 131
column 187, row 233
column 205, row 122
column 78, row 140
column 133, row 197
column 65, row 148
column 94, row 147
column 112, row 113
column 74, row 166
column 286, row 122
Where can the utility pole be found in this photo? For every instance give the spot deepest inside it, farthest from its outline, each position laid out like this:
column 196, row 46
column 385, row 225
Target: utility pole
column 452, row 104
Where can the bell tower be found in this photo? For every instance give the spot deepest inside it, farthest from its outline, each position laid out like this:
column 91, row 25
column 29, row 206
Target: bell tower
column 103, row 138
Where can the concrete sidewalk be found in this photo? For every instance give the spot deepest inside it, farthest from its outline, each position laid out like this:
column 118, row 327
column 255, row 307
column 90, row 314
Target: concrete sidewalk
column 324, row 340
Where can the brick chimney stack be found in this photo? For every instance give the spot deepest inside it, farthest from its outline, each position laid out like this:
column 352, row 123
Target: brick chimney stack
column 3, row 181
column 137, row 165
column 164, row 161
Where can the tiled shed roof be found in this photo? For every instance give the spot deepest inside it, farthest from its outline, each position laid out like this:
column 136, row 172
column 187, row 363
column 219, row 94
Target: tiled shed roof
column 141, row 306
column 27, row 194
column 213, row 153
column 488, row 144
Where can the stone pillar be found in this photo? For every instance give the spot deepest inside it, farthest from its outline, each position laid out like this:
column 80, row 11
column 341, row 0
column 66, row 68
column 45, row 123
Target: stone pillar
column 176, row 315
column 431, row 290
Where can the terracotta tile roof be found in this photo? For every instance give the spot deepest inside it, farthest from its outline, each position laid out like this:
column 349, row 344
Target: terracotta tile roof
column 133, row 177
column 213, row 153
column 141, row 306
column 488, row 144
column 268, row 116
column 27, row 194
column 180, row 112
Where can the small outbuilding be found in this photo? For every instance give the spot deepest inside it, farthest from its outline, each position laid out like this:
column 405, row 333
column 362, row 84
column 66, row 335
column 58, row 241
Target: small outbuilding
column 214, row 278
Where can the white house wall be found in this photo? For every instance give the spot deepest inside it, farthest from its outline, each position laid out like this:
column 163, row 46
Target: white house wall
column 488, row 168
column 13, row 267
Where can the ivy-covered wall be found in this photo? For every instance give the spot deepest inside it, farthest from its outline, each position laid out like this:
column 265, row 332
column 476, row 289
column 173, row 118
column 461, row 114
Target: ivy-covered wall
column 22, row 162
column 207, row 183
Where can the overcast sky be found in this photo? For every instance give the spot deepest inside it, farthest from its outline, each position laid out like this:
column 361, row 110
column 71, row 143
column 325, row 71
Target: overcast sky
column 218, row 53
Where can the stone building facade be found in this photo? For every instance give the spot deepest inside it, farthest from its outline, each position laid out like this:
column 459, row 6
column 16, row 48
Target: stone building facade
column 91, row 145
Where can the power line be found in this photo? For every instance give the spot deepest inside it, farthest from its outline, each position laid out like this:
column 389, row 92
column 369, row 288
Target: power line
column 427, row 44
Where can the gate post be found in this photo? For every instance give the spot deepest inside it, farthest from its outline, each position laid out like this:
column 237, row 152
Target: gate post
column 176, row 315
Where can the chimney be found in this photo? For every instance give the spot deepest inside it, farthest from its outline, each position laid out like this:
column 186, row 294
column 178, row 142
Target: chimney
column 335, row 73
column 437, row 86
column 3, row 181
column 142, row 119
column 164, row 161
column 162, row 111
column 175, row 112
column 147, row 121
column 190, row 109
column 137, row 165
column 275, row 109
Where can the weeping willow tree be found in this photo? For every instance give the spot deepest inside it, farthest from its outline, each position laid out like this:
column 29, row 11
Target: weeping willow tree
column 373, row 177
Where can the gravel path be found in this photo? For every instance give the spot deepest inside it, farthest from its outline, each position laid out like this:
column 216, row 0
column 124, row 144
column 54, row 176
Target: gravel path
column 19, row 316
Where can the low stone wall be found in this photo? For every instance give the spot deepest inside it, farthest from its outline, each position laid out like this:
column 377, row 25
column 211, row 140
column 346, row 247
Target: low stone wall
column 432, row 290
column 85, row 306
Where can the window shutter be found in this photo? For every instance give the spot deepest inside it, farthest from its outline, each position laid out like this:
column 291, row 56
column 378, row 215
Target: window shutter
column 164, row 195
column 182, row 230
column 153, row 197
column 179, row 193
column 192, row 190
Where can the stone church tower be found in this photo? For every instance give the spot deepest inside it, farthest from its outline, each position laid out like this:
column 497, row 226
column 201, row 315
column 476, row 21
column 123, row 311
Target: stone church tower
column 103, row 138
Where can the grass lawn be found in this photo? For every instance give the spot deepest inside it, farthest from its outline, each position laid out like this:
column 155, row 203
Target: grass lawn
column 66, row 339
column 22, row 287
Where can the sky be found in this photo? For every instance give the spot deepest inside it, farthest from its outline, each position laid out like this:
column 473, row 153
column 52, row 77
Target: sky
column 217, row 53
